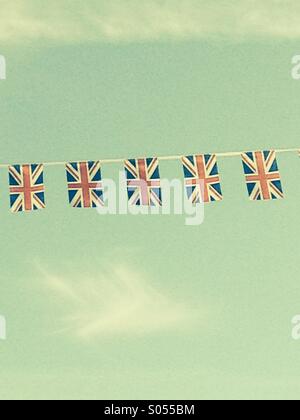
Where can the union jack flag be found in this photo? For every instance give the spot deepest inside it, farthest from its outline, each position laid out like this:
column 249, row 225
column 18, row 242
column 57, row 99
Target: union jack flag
column 85, row 184
column 262, row 175
column 202, row 178
column 27, row 190
column 143, row 182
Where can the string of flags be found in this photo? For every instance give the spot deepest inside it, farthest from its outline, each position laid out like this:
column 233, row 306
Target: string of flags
column 201, row 179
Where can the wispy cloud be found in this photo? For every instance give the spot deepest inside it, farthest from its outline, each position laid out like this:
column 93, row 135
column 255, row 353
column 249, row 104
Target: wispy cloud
column 119, row 302
column 143, row 20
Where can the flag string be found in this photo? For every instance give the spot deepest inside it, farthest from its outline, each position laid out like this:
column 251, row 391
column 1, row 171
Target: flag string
column 144, row 186
column 161, row 158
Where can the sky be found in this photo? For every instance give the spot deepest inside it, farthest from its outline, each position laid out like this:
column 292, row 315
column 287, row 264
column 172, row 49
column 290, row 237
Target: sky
column 145, row 307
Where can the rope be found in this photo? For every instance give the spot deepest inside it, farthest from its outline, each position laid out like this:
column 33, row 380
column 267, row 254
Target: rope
column 161, row 158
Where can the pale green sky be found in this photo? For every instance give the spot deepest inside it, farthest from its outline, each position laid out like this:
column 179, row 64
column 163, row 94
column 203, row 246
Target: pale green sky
column 146, row 307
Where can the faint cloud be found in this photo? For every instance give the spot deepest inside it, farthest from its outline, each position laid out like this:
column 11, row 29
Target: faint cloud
column 146, row 20
column 119, row 302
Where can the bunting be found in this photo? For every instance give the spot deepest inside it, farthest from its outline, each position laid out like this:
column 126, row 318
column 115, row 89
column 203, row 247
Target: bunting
column 144, row 188
column 85, row 184
column 26, row 188
column 262, row 175
column 202, row 178
column 143, row 182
